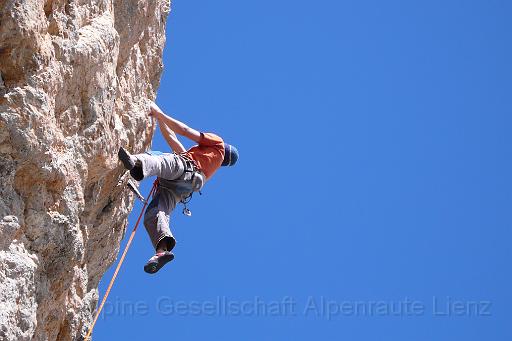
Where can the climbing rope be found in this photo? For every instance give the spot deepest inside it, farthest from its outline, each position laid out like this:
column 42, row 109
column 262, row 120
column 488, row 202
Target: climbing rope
column 153, row 189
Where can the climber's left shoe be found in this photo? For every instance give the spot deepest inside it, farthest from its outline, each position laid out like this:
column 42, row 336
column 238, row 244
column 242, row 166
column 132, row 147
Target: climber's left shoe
column 156, row 262
column 125, row 157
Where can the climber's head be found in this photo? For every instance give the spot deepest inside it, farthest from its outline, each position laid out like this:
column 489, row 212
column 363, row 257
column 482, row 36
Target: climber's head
column 230, row 156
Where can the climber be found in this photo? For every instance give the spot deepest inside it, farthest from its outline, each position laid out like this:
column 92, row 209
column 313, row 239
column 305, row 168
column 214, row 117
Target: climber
column 180, row 174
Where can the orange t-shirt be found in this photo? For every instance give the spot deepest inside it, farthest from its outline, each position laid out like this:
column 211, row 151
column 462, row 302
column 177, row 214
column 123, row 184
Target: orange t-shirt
column 208, row 153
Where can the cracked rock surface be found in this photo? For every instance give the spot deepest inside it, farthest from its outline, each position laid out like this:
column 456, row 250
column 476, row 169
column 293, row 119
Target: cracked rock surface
column 75, row 80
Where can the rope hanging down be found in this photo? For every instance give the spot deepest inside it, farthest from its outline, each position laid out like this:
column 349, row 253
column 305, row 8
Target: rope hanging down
column 120, row 261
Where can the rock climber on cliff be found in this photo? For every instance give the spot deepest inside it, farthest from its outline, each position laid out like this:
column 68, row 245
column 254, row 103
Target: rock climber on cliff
column 179, row 175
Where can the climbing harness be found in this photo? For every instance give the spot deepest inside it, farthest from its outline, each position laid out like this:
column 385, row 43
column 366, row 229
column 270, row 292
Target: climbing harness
column 185, row 201
column 196, row 178
column 191, row 180
column 145, row 201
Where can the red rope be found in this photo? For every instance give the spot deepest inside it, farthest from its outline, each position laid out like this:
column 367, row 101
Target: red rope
column 120, row 262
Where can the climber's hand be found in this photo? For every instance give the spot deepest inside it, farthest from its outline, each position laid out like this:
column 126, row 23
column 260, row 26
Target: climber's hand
column 154, row 111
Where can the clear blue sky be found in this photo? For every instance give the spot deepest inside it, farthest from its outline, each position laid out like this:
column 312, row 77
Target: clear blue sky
column 374, row 175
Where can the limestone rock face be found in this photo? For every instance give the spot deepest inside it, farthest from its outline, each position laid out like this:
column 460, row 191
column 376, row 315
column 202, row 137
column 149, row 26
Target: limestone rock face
column 75, row 78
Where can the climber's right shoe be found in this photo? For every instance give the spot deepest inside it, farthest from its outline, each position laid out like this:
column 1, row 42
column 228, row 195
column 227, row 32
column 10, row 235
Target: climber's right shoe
column 156, row 262
column 125, row 157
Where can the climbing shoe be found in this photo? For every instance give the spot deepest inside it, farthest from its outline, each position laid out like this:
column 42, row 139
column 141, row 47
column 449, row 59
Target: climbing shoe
column 125, row 157
column 130, row 163
column 156, row 262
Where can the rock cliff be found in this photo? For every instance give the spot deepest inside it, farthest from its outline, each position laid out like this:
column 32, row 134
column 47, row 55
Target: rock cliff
column 75, row 77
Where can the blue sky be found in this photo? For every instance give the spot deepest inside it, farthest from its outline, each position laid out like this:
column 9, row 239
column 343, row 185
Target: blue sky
column 372, row 196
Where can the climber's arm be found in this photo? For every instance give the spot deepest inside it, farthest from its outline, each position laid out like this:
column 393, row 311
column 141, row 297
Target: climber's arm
column 178, row 127
column 171, row 138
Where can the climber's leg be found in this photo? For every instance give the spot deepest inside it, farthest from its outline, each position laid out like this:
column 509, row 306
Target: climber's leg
column 156, row 221
column 167, row 166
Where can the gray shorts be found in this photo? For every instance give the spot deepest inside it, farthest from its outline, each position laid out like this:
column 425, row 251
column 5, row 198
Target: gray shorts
column 176, row 182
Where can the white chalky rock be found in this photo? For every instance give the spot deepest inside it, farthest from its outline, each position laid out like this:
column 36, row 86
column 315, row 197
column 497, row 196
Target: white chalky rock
column 75, row 78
